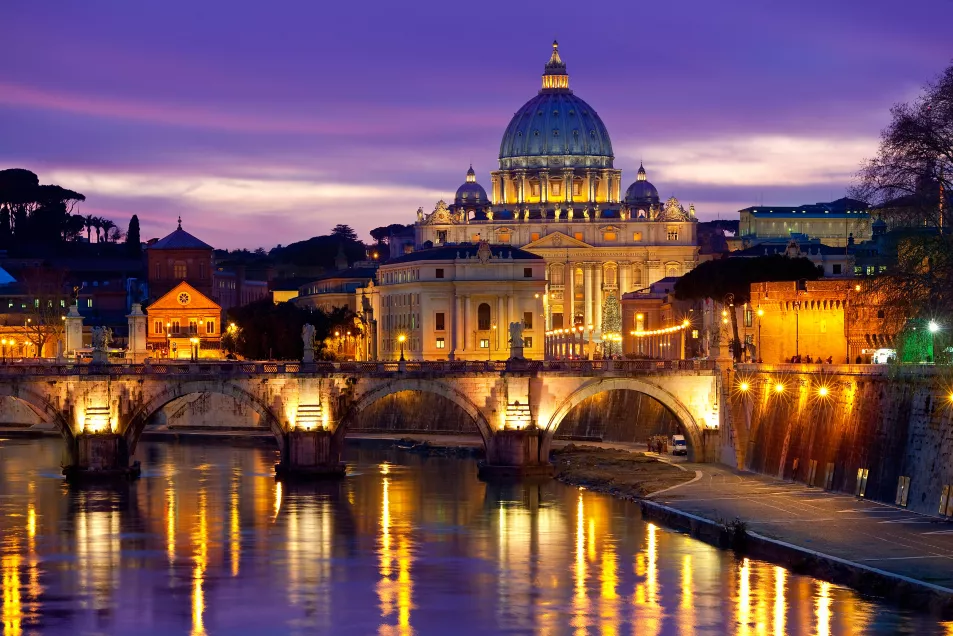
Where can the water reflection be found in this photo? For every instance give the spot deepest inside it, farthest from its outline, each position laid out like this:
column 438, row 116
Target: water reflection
column 208, row 543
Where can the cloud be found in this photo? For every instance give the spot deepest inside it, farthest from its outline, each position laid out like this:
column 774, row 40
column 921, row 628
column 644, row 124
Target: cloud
column 758, row 160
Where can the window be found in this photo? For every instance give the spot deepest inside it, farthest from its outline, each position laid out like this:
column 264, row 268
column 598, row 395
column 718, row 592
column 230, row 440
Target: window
column 880, row 313
column 193, row 326
column 608, row 236
column 202, row 270
column 534, row 189
column 179, row 270
column 527, row 320
column 175, row 327
column 534, row 236
column 441, row 343
column 441, row 236
column 695, row 334
column 636, row 236
column 441, row 322
column 158, row 270
column 484, row 343
column 527, row 342
column 504, row 237
column 577, row 236
column 209, row 326
column 749, row 338
column 556, row 274
column 858, row 270
column 483, row 317
column 673, row 233
column 870, row 270
column 439, row 272
column 749, row 317
column 881, row 269
column 89, row 303
column 556, row 188
column 836, row 269
column 576, row 188
column 527, row 272
column 157, row 327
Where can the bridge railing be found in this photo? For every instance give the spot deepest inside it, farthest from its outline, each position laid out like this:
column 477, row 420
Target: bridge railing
column 244, row 368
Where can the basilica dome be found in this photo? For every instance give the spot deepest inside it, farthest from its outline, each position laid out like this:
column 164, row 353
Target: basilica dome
column 641, row 192
column 471, row 192
column 556, row 124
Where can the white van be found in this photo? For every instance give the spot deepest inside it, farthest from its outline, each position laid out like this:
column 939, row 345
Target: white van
column 679, row 447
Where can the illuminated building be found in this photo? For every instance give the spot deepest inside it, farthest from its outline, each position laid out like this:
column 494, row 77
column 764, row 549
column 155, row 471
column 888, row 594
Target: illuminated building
column 455, row 302
column 184, row 323
column 833, row 224
column 557, row 194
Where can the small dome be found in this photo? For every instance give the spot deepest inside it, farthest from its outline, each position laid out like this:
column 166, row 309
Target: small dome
column 641, row 192
column 471, row 192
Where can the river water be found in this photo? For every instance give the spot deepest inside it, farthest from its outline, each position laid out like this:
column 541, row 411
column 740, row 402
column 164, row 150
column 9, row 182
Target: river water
column 208, row 543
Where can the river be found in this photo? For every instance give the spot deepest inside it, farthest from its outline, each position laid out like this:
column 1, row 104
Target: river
column 206, row 542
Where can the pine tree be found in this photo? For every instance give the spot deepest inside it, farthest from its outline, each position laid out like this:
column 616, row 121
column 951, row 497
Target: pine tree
column 611, row 326
column 133, row 242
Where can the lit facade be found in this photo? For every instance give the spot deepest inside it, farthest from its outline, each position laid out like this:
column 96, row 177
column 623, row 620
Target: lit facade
column 184, row 323
column 455, row 302
column 557, row 194
column 834, row 224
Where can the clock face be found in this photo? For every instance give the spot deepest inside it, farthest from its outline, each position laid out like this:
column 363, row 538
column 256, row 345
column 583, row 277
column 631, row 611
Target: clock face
column 184, row 298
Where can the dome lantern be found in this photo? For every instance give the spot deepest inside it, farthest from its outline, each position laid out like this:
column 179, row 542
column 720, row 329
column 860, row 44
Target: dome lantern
column 471, row 175
column 555, row 77
column 641, row 174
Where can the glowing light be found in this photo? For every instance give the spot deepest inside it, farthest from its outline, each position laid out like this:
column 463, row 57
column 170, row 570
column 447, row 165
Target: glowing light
column 779, row 388
column 933, row 326
column 823, row 391
column 401, row 338
column 661, row 332
column 744, row 386
column 760, row 312
column 951, row 397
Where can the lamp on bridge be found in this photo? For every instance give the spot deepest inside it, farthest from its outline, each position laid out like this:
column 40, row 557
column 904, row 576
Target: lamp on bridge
column 97, row 420
column 401, row 339
column 194, row 349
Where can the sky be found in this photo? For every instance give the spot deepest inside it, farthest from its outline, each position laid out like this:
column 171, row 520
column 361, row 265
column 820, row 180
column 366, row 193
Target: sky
column 265, row 123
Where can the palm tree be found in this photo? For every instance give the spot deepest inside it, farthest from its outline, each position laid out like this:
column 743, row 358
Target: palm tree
column 88, row 222
column 107, row 225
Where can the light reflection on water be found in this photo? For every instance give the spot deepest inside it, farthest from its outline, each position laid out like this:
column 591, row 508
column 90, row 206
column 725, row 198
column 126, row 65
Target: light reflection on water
column 208, row 543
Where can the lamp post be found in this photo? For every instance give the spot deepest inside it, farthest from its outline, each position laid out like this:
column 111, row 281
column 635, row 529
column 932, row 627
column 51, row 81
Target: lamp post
column 194, row 349
column 760, row 316
column 168, row 338
column 489, row 349
column 933, row 327
column 401, row 339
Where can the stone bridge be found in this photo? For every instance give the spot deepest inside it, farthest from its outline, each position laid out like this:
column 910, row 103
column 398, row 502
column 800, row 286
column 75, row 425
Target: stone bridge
column 517, row 406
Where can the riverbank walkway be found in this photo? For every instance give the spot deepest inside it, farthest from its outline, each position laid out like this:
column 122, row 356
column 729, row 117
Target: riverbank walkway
column 865, row 532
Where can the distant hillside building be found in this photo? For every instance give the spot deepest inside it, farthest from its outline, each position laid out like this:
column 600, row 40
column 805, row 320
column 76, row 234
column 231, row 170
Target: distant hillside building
column 184, row 323
column 833, row 224
column 179, row 257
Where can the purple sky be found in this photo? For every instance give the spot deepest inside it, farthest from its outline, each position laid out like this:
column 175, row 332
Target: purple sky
column 270, row 122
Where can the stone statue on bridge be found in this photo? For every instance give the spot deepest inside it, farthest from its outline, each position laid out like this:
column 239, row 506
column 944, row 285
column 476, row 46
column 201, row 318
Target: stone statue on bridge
column 102, row 336
column 516, row 340
column 307, row 336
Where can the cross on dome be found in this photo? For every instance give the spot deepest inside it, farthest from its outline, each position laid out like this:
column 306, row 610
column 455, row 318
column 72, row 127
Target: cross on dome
column 555, row 76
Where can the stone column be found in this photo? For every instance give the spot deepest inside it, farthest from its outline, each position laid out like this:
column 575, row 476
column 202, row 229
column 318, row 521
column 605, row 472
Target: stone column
column 74, row 330
column 466, row 321
column 136, row 349
column 569, row 295
column 625, row 271
column 567, row 182
column 501, row 325
column 310, row 453
column 587, row 302
column 607, row 184
column 510, row 313
column 544, row 186
column 597, row 310
column 452, row 322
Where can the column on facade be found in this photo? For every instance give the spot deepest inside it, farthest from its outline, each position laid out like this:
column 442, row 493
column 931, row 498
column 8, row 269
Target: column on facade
column 459, row 342
column 569, row 295
column 544, row 186
column 587, row 294
column 607, row 184
column 567, row 183
column 510, row 312
column 624, row 272
column 597, row 310
column 500, row 324
column 467, row 320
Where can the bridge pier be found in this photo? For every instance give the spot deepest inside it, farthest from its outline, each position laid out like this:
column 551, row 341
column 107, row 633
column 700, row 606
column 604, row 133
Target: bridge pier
column 310, row 454
column 515, row 454
column 100, row 456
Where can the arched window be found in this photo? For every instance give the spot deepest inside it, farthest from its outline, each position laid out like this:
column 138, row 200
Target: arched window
column 483, row 317
column 671, row 269
column 179, row 270
column 556, row 274
column 609, row 275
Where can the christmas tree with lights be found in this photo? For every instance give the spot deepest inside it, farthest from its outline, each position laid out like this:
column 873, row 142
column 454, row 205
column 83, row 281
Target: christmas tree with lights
column 611, row 326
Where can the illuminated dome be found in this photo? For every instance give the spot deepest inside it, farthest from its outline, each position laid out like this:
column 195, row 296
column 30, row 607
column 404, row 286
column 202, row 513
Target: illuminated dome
column 555, row 126
column 641, row 192
column 471, row 192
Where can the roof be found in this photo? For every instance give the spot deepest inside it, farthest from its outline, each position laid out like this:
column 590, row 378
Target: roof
column 195, row 300
column 350, row 272
column 179, row 240
column 6, row 278
column 464, row 250
column 841, row 207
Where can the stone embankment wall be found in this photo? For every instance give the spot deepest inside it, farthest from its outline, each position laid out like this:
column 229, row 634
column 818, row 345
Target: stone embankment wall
column 618, row 416
column 873, row 431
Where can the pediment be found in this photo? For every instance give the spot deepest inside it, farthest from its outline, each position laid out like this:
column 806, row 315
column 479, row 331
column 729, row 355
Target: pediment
column 197, row 300
column 556, row 240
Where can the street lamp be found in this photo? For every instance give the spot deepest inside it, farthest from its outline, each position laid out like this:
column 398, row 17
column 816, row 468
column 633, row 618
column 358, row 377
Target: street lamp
column 933, row 327
column 401, row 339
column 194, row 349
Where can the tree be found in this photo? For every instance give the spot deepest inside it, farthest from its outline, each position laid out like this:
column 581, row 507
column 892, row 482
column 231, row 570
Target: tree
column 46, row 297
column 344, row 231
column 731, row 278
column 909, row 181
column 107, row 227
column 133, row 240
column 266, row 330
column 611, row 326
column 89, row 222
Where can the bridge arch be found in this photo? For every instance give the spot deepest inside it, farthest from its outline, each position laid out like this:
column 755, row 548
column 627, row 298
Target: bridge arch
column 683, row 416
column 435, row 387
column 43, row 408
column 140, row 416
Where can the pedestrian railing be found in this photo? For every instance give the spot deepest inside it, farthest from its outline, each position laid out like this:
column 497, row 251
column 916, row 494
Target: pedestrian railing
column 451, row 367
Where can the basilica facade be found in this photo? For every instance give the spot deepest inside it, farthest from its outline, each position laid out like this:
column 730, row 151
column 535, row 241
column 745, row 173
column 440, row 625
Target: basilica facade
column 557, row 194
